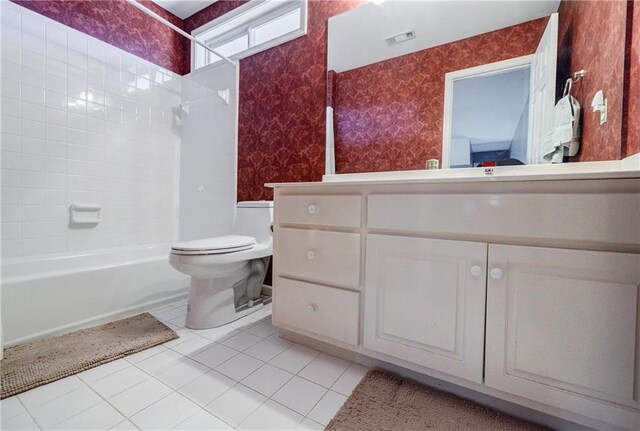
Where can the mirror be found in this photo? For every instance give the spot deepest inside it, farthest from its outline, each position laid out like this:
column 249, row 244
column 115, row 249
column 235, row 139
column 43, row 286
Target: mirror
column 472, row 83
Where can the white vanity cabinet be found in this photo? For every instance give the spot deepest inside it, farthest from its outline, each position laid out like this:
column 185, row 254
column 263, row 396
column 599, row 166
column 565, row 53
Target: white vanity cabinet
column 562, row 325
column 425, row 302
column 524, row 291
column 317, row 265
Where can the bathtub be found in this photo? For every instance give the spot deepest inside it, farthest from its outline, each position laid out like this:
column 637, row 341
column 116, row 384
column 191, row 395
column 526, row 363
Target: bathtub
column 48, row 295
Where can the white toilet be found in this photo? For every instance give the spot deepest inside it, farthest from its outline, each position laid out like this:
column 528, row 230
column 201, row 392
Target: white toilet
column 227, row 272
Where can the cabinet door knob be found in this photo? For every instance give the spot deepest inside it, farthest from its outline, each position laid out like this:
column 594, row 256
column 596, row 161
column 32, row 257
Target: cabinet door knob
column 476, row 270
column 311, row 308
column 497, row 273
column 311, row 254
column 312, row 209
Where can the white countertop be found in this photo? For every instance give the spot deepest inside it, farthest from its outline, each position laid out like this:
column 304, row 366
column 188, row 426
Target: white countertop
column 614, row 169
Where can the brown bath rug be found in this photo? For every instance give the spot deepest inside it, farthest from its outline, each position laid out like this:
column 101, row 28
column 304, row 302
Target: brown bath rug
column 385, row 402
column 44, row 361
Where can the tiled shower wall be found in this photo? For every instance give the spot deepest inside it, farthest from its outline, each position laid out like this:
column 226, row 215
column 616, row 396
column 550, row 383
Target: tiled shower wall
column 83, row 123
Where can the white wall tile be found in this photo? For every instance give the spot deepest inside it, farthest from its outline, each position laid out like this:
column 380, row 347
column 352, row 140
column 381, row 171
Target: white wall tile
column 32, row 42
column 77, row 128
column 10, row 70
column 9, row 87
column 33, row 76
column 11, row 53
column 11, row 107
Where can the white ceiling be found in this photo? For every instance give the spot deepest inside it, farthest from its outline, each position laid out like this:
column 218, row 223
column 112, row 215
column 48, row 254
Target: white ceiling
column 357, row 37
column 183, row 8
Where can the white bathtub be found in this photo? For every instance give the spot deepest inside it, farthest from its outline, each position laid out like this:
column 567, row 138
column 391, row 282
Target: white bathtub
column 48, row 295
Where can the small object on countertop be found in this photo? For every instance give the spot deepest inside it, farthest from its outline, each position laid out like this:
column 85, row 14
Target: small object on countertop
column 433, row 164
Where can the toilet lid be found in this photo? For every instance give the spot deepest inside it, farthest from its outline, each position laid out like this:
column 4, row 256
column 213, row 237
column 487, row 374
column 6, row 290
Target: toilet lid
column 219, row 244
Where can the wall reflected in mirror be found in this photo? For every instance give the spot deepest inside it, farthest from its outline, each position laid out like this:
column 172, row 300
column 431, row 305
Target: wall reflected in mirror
column 387, row 81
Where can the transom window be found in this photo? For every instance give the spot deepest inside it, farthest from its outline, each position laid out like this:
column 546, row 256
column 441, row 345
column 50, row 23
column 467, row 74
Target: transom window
column 251, row 28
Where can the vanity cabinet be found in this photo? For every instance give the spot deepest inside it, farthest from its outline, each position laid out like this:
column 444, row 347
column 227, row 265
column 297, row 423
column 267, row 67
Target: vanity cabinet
column 425, row 302
column 317, row 266
column 524, row 291
column 562, row 325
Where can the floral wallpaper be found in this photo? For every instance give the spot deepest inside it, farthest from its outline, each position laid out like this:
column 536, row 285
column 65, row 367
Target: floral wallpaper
column 388, row 115
column 591, row 36
column 118, row 23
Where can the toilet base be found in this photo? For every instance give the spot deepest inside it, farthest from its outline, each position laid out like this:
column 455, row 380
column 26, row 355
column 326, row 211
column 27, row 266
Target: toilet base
column 213, row 302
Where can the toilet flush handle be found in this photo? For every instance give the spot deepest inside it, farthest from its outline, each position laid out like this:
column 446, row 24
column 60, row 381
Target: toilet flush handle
column 311, row 308
column 312, row 209
column 311, row 254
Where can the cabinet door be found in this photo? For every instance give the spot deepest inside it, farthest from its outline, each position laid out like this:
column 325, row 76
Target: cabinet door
column 425, row 302
column 562, row 328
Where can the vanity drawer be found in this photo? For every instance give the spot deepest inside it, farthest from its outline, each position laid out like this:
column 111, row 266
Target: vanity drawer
column 326, row 257
column 321, row 310
column 341, row 211
column 585, row 217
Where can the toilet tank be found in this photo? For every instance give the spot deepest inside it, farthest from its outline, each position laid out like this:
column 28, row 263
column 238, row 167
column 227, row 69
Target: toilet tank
column 254, row 218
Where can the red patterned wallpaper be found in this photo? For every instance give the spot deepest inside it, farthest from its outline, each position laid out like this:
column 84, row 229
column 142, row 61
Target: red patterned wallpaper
column 592, row 37
column 632, row 90
column 119, row 24
column 388, row 115
column 282, row 104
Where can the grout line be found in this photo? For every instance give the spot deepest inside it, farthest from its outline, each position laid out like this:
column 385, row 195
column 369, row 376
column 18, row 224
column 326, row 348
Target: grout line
column 82, row 411
column 206, row 411
column 28, row 411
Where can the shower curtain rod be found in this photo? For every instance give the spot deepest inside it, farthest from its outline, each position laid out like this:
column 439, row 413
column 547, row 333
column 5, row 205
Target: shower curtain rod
column 157, row 17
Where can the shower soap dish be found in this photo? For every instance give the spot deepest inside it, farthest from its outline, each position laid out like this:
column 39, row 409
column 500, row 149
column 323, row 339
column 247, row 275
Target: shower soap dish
column 84, row 214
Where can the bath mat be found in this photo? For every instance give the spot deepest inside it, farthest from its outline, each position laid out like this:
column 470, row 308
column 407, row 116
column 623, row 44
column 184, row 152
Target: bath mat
column 44, row 361
column 385, row 402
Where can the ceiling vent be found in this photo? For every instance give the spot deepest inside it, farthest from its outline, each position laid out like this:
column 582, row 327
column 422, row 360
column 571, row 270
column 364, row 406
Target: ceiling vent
column 402, row 37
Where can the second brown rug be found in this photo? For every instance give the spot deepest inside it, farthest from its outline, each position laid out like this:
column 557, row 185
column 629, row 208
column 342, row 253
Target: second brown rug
column 44, row 361
column 385, row 402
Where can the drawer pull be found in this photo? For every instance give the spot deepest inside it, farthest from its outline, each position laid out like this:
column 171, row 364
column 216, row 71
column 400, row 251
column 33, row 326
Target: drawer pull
column 497, row 273
column 312, row 209
column 311, row 308
column 311, row 254
column 476, row 270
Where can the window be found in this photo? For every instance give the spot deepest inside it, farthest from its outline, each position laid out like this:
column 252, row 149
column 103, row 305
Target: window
column 251, row 28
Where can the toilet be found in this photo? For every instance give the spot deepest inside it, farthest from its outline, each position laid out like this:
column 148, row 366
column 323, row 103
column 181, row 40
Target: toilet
column 227, row 272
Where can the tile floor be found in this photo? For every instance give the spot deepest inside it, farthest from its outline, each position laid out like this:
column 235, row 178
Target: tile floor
column 240, row 376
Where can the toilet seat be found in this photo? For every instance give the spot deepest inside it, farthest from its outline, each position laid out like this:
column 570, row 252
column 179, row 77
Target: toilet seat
column 216, row 245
